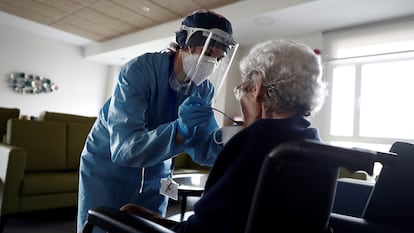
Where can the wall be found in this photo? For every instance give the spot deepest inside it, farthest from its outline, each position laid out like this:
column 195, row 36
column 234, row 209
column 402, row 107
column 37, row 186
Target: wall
column 83, row 85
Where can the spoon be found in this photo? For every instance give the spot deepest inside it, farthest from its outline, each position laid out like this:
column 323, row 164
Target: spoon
column 228, row 117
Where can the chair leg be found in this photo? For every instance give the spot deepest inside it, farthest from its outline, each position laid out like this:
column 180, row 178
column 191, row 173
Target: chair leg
column 87, row 228
column 183, row 207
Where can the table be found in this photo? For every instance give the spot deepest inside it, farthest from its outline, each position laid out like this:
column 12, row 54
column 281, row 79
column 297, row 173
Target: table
column 189, row 184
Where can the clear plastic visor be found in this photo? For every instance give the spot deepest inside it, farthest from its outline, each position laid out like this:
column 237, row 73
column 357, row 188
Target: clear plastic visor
column 207, row 56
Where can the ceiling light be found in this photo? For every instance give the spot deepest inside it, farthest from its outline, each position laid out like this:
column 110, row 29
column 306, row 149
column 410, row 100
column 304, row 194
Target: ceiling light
column 146, row 8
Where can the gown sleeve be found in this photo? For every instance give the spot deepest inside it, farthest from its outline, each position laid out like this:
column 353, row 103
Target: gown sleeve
column 142, row 119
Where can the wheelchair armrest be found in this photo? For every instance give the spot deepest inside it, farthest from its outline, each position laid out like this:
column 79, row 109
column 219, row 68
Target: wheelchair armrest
column 112, row 220
column 345, row 224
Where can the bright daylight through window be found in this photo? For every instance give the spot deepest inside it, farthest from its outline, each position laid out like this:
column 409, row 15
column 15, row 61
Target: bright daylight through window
column 371, row 76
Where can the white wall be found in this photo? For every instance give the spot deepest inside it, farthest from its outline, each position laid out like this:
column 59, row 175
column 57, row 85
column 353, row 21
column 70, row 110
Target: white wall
column 83, row 85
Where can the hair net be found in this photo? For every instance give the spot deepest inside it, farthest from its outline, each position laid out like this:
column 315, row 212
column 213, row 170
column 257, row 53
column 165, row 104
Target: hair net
column 202, row 19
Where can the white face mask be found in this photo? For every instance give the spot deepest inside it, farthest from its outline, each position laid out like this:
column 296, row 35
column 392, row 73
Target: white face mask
column 196, row 70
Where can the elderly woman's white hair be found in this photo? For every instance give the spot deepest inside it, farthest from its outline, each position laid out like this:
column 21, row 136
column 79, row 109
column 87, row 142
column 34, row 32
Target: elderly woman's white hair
column 291, row 73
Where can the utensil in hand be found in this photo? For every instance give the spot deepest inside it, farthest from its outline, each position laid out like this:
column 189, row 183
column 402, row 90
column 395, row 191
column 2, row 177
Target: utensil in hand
column 235, row 122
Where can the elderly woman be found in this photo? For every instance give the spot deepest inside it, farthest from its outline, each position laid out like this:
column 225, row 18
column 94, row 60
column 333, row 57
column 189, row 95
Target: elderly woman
column 281, row 86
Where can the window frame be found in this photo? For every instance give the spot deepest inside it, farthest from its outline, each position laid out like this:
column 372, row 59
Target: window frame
column 331, row 44
column 358, row 63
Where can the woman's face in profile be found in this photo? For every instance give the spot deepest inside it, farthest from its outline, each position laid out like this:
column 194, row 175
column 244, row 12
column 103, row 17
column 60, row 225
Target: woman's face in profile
column 251, row 106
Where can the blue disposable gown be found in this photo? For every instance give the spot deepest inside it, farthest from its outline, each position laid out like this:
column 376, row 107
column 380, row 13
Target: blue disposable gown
column 130, row 146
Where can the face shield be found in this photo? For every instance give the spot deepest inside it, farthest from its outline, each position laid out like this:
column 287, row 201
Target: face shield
column 208, row 54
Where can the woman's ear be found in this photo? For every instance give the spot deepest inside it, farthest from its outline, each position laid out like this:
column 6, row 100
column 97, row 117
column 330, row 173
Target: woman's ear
column 258, row 89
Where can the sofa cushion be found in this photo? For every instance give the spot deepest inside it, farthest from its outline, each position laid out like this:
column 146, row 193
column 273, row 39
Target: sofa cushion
column 76, row 137
column 184, row 164
column 35, row 183
column 182, row 161
column 45, row 143
column 65, row 117
column 78, row 127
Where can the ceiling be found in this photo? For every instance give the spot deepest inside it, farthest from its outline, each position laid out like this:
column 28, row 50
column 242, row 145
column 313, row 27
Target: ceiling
column 113, row 31
column 102, row 20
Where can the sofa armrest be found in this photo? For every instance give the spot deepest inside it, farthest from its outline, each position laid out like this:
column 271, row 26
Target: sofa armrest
column 12, row 164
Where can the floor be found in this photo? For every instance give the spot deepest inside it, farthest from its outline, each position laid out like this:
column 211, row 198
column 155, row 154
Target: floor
column 64, row 220
column 59, row 220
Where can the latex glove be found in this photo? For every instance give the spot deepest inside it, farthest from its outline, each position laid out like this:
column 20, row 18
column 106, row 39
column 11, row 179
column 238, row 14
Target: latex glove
column 209, row 124
column 203, row 93
column 192, row 112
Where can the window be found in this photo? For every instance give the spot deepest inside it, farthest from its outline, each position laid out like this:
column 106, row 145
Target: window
column 371, row 74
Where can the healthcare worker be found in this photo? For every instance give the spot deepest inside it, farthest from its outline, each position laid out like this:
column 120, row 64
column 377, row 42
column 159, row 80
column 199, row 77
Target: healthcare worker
column 161, row 107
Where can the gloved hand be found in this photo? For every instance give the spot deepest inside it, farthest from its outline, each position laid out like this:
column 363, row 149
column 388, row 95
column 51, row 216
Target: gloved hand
column 208, row 125
column 194, row 111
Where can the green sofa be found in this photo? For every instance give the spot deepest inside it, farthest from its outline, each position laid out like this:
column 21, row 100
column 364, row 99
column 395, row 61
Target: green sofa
column 5, row 115
column 39, row 162
column 183, row 164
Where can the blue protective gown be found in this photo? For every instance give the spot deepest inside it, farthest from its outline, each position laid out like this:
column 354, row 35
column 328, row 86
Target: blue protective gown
column 130, row 146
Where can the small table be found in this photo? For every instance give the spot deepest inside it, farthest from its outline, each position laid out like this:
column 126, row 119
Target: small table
column 189, row 184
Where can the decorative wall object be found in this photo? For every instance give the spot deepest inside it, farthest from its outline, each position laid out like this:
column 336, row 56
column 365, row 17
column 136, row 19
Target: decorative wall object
column 31, row 84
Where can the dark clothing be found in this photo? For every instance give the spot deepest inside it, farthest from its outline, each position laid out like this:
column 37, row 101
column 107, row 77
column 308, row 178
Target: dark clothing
column 229, row 190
